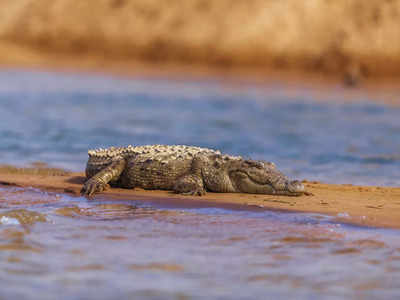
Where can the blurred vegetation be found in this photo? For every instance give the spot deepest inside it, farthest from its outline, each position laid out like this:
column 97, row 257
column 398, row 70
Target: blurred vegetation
column 334, row 36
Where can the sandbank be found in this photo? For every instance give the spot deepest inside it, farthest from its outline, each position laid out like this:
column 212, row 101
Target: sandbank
column 360, row 205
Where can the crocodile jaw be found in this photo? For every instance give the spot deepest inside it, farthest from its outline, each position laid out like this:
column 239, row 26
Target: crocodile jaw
column 264, row 179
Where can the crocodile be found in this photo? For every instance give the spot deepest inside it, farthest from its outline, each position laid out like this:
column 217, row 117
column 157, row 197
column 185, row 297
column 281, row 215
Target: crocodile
column 183, row 169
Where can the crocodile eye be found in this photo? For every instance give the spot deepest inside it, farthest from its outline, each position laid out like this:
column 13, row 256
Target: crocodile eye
column 255, row 164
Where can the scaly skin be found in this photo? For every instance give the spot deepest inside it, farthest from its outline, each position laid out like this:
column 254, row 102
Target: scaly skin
column 183, row 169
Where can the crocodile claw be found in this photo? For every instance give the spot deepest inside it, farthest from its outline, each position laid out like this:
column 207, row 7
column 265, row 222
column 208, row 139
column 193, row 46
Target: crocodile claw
column 91, row 187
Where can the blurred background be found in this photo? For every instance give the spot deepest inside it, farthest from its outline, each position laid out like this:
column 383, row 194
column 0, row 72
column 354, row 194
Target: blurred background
column 349, row 38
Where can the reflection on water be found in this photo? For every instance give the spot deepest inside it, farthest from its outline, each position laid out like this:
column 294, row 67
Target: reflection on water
column 21, row 216
column 55, row 118
column 64, row 247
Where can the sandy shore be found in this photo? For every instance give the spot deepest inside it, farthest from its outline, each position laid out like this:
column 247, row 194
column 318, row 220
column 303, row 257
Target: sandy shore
column 361, row 205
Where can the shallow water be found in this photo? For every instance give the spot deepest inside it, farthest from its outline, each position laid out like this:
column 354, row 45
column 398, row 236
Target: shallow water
column 55, row 118
column 56, row 246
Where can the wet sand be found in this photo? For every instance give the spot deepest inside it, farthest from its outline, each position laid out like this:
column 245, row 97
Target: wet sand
column 360, row 205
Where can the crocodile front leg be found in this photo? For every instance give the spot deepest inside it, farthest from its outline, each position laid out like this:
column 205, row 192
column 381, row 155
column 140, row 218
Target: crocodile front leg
column 99, row 182
column 191, row 183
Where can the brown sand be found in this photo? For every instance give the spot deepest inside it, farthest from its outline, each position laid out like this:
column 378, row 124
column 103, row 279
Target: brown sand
column 347, row 37
column 370, row 206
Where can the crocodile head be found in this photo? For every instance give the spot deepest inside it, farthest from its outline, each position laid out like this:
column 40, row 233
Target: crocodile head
column 256, row 177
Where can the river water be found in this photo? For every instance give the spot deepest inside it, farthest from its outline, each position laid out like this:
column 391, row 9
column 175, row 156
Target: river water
column 55, row 118
column 56, row 246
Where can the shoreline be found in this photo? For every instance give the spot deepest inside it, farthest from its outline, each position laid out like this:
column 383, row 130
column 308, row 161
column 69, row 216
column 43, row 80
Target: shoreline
column 321, row 86
column 358, row 205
